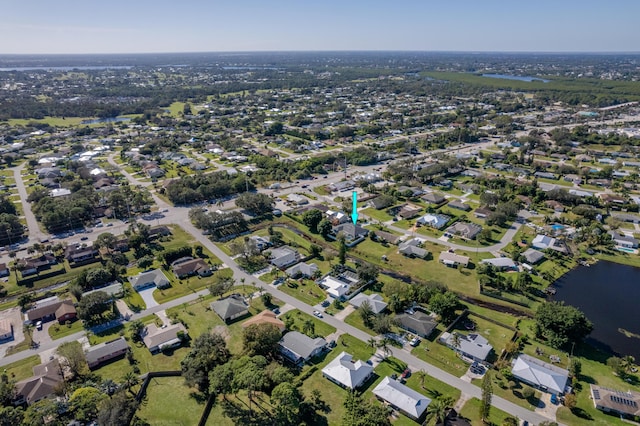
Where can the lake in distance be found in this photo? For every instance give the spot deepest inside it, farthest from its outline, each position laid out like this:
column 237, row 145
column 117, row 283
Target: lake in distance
column 609, row 295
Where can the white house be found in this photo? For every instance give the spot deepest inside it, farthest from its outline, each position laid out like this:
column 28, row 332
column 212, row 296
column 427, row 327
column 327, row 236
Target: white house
column 346, row 372
column 540, row 374
column 283, row 256
column 335, row 287
column 401, row 397
column 149, row 279
column 375, row 302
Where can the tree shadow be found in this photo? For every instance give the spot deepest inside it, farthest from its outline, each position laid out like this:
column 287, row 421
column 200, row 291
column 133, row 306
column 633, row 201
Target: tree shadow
column 199, row 397
column 579, row 412
column 241, row 415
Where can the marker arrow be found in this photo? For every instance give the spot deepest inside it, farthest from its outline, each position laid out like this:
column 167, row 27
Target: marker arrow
column 354, row 208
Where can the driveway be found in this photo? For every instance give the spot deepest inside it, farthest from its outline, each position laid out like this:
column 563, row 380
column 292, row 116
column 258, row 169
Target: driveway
column 41, row 337
column 147, row 296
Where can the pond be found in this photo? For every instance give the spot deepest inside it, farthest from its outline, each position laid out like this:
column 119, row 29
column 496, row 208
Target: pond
column 106, row 120
column 609, row 295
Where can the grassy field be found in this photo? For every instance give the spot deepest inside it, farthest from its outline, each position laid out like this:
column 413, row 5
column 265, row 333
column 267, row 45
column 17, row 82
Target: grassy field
column 57, row 331
column 471, row 411
column 169, row 402
column 299, row 318
column 22, row 369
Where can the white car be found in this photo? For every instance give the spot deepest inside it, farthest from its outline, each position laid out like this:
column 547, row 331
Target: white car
column 414, row 342
column 318, row 314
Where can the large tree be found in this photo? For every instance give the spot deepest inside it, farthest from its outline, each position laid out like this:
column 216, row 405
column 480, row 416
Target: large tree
column 286, row 399
column 312, row 218
column 561, row 324
column 117, row 410
column 444, row 304
column 74, row 357
column 261, row 339
column 84, row 403
column 208, row 350
column 92, row 306
column 487, row 395
column 256, row 203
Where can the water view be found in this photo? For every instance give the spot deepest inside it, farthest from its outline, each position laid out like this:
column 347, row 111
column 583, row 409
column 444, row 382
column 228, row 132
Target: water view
column 608, row 293
column 106, row 120
column 515, row 77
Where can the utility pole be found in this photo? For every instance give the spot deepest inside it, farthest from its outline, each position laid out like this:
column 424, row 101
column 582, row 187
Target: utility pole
column 345, row 166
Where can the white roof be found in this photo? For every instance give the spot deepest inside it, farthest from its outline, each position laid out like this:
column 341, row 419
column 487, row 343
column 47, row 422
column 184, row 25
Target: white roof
column 473, row 345
column 542, row 241
column 500, row 262
column 335, row 288
column 401, row 396
column 59, row 192
column 346, row 371
column 540, row 373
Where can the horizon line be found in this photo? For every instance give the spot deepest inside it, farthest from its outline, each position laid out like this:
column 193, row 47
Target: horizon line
column 543, row 52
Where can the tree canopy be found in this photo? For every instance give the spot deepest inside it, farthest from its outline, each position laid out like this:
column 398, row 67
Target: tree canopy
column 561, row 324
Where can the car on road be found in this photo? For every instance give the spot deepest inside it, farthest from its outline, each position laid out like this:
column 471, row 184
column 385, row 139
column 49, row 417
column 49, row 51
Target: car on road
column 318, row 314
column 109, row 224
column 84, row 238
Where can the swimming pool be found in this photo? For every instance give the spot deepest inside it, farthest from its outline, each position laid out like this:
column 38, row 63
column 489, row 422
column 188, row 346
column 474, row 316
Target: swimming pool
column 557, row 227
column 628, row 250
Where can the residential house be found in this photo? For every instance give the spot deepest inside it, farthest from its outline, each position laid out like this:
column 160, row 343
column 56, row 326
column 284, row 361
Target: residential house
column 622, row 240
column 81, row 255
column 556, row 206
column 6, row 330
column 114, row 289
column 46, row 380
column 434, row 198
column 403, row 398
column 264, row 317
column 545, row 175
column 53, row 308
column 159, row 231
column 417, row 323
column 376, row 303
column 188, row 266
column 297, row 199
column 4, row 271
column 542, row 242
column 302, row 270
column 283, row 256
column 533, row 256
column 106, row 351
column 153, row 278
column 299, row 348
column 612, row 198
column 35, row 264
column 157, row 339
column 481, row 212
column 409, row 211
column 627, row 217
column 347, row 373
column 342, row 186
column 614, row 401
column 386, row 236
column 437, row 221
column 472, row 346
column 380, row 203
column 539, row 374
column 501, row 263
column 336, row 287
column 452, row 259
column 353, row 234
column 230, row 308
column 466, row 230
column 456, row 204
column 411, row 248
column 526, row 201
column 336, row 218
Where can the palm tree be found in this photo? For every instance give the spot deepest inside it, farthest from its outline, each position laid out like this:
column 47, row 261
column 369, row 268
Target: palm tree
column 372, row 342
column 437, row 410
column 385, row 346
column 421, row 375
column 627, row 363
column 455, row 340
column 309, row 327
column 129, row 380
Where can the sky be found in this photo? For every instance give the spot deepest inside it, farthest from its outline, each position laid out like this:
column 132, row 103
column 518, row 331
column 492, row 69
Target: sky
column 137, row 26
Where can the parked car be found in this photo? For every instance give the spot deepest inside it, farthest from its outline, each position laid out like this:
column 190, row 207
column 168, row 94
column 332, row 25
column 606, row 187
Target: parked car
column 554, row 399
column 325, row 304
column 318, row 314
column 39, row 325
column 414, row 342
column 406, row 374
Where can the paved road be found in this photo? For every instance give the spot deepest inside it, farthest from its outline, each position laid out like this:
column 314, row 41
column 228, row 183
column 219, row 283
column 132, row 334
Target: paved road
column 35, row 234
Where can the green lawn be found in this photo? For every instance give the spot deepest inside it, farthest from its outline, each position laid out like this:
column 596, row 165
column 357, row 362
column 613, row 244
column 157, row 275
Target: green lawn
column 305, row 290
column 321, row 328
column 57, row 331
column 379, row 215
column 169, row 402
column 471, row 411
column 186, row 286
column 357, row 348
column 22, row 369
column 355, row 320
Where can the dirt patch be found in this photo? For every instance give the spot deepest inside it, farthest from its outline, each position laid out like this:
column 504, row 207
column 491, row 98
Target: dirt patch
column 222, row 331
